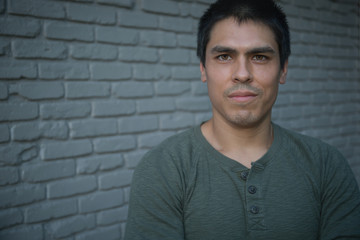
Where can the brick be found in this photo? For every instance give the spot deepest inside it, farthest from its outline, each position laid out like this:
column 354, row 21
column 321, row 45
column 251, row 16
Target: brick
column 2, row 6
column 138, row 124
column 138, row 19
column 151, row 72
column 8, row 176
column 112, row 216
column 50, row 210
column 115, row 179
column 72, row 186
column 76, row 90
column 154, row 38
column 67, row 149
column 22, row 233
column 116, row 35
column 132, row 159
column 4, row 133
column 46, row 171
column 138, row 54
column 186, row 73
column 110, row 233
column 15, row 153
column 194, row 104
column 101, row 200
column 68, row 110
column 17, row 70
column 69, row 226
column 114, row 144
column 10, row 217
column 69, row 31
column 188, row 41
column 176, row 24
column 176, row 121
column 94, row 52
column 18, row 111
column 114, row 108
column 54, row 130
column 93, row 128
column 21, row 195
column 110, row 71
column 176, row 56
column 16, row 26
column 127, row 194
column 197, row 10
column 119, row 3
column 40, row 90
column 91, row 13
column 161, row 6
column 151, row 140
column 133, row 90
column 171, row 88
column 156, row 105
column 199, row 88
column 26, row 131
column 37, row 8
column 67, row 71
column 94, row 164
column 202, row 117
column 38, row 49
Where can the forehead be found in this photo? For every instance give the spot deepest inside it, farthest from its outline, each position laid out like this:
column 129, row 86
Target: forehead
column 245, row 35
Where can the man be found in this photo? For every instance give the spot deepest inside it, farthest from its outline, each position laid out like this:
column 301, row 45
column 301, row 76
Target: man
column 238, row 175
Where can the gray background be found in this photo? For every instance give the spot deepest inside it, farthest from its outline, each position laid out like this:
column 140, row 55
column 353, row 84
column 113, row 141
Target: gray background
column 88, row 86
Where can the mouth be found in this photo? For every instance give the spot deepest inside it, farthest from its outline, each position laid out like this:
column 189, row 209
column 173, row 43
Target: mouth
column 242, row 96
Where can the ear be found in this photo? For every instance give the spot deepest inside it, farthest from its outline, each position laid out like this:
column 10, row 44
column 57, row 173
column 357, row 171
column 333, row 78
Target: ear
column 284, row 73
column 203, row 72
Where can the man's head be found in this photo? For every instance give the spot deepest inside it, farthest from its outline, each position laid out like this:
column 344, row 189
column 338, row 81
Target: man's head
column 259, row 11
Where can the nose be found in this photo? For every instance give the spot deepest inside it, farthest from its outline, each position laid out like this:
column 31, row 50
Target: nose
column 242, row 71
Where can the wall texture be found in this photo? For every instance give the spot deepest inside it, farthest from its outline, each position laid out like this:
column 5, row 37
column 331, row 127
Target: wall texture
column 88, row 86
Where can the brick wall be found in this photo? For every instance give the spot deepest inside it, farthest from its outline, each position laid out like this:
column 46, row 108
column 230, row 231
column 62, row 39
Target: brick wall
column 88, row 86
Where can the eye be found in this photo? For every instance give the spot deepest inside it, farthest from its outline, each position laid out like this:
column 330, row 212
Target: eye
column 224, row 57
column 260, row 58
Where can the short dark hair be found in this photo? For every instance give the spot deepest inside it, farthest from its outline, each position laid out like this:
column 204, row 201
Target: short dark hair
column 263, row 11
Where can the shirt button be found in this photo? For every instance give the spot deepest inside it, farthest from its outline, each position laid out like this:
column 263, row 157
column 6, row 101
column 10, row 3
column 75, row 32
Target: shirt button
column 244, row 175
column 254, row 209
column 252, row 189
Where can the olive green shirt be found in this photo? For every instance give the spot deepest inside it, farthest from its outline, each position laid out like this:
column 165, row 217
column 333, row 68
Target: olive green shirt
column 300, row 189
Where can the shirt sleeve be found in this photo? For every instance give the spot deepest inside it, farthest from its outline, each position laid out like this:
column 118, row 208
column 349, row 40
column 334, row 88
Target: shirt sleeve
column 155, row 207
column 340, row 211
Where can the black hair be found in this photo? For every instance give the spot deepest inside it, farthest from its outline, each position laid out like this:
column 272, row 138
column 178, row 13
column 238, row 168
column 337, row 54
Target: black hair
column 264, row 11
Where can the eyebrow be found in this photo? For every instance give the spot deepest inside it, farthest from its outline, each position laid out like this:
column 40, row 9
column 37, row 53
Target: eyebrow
column 223, row 49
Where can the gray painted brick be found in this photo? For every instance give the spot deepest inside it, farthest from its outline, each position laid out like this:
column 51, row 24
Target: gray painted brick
column 194, row 104
column 138, row 124
column 138, row 54
column 40, row 90
column 54, row 130
column 4, row 133
column 4, row 93
column 50, row 210
column 25, row 194
column 69, row 226
column 176, row 24
column 15, row 153
column 112, row 216
column 119, row 3
column 48, row 171
column 72, row 186
column 91, row 14
column 66, row 110
column 127, row 194
column 22, row 233
column 18, row 111
column 161, row 6
column 115, row 179
column 175, row 56
column 9, row 175
column 132, row 159
column 114, row 144
column 17, row 70
column 133, row 90
column 197, row 10
column 67, row 149
column 26, row 131
column 16, row 26
column 138, row 19
column 68, row 71
column 186, row 73
column 110, row 71
column 109, row 233
column 188, row 41
column 2, row 6
column 39, row 49
column 151, row 140
column 156, row 105
column 154, row 38
column 199, row 88
column 113, row 108
column 69, row 31
column 151, row 72
column 93, row 128
column 101, row 200
column 37, row 8
column 93, row 164
column 172, row 88
column 176, row 121
column 116, row 35
column 10, row 217
column 94, row 52
column 75, row 90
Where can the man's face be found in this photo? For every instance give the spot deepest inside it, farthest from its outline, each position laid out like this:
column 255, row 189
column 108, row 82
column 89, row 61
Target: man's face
column 242, row 71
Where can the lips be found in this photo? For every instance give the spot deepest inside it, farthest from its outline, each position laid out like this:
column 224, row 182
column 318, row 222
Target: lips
column 242, row 95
